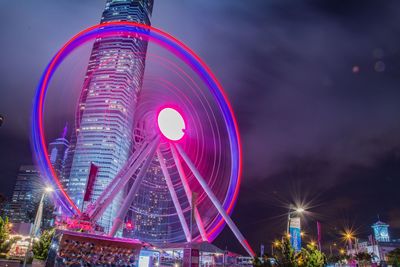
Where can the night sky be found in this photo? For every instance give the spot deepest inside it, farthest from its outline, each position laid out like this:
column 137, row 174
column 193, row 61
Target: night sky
column 315, row 86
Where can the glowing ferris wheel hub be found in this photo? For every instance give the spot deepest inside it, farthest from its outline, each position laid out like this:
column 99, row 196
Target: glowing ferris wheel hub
column 171, row 124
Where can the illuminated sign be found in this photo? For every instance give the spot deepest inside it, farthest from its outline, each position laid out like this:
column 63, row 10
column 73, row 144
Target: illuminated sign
column 295, row 233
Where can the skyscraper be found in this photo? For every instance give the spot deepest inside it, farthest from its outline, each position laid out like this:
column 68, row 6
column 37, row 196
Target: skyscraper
column 58, row 150
column 26, row 195
column 106, row 109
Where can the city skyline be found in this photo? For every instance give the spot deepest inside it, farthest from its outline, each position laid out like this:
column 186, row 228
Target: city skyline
column 304, row 154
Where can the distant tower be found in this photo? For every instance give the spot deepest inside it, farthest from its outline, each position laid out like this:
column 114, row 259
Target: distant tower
column 26, row 195
column 107, row 105
column 58, row 150
column 381, row 231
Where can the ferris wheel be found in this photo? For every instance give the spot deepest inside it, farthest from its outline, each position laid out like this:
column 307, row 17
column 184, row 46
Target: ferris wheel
column 186, row 129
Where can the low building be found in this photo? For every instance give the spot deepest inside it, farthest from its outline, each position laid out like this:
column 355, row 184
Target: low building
column 378, row 245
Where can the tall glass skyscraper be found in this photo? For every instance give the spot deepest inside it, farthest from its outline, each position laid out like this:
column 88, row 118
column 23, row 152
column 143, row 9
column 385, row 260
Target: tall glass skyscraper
column 58, row 151
column 106, row 109
column 26, row 195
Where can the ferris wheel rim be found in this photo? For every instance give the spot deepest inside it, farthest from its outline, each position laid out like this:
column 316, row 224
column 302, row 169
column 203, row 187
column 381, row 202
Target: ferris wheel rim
column 174, row 46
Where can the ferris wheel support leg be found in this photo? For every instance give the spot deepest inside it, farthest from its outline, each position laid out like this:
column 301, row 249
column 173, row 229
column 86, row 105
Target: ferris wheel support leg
column 174, row 197
column 215, row 201
column 117, row 179
column 188, row 192
column 119, row 219
column 101, row 204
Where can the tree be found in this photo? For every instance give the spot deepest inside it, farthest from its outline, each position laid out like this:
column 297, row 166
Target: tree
column 363, row 258
column 311, row 257
column 42, row 246
column 394, row 257
column 285, row 254
column 5, row 243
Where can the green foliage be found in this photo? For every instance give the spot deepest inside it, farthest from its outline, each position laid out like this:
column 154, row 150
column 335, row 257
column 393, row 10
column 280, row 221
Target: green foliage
column 42, row 246
column 394, row 257
column 337, row 258
column 363, row 258
column 309, row 256
column 5, row 243
column 285, row 254
column 4, row 229
column 312, row 257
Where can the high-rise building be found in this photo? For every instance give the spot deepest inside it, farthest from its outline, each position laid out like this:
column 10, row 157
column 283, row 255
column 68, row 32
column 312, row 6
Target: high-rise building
column 106, row 109
column 26, row 195
column 58, row 150
column 150, row 207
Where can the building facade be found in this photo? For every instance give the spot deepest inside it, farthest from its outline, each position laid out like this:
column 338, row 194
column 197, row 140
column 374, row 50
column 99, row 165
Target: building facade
column 26, row 195
column 106, row 108
column 58, row 150
column 378, row 245
column 381, row 231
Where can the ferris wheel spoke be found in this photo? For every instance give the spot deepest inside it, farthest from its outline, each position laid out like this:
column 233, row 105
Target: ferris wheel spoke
column 188, row 191
column 110, row 187
column 174, row 197
column 214, row 200
column 119, row 219
column 107, row 197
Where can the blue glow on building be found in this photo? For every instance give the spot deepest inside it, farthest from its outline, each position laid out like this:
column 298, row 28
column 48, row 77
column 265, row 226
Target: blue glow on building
column 381, row 231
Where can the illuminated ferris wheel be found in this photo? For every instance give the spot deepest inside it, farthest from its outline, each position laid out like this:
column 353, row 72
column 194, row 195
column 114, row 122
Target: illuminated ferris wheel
column 183, row 174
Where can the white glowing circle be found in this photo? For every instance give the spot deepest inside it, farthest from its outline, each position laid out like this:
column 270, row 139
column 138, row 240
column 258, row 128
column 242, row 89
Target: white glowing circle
column 171, row 124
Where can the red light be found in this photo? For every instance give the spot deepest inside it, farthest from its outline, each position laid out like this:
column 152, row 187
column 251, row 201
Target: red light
column 129, row 225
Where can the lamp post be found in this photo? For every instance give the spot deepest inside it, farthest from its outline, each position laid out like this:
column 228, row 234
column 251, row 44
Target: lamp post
column 38, row 220
column 290, row 212
column 348, row 236
column 274, row 244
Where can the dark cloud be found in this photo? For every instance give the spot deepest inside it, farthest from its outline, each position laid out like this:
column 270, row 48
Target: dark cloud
column 307, row 119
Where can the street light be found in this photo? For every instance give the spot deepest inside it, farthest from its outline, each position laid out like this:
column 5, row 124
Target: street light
column 275, row 244
column 348, row 235
column 48, row 189
column 38, row 220
column 300, row 210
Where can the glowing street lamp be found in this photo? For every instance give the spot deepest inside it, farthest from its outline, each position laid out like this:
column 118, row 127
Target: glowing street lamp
column 299, row 210
column 349, row 236
column 48, row 189
column 275, row 244
column 38, row 220
column 292, row 210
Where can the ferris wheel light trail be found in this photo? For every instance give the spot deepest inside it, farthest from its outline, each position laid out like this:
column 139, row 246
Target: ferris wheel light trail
column 171, row 124
column 215, row 201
